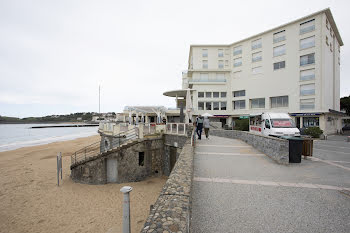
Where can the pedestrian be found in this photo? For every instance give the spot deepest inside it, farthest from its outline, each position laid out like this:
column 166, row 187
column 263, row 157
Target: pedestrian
column 199, row 126
column 206, row 126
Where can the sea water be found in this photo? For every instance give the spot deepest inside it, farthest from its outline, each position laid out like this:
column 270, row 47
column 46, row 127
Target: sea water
column 13, row 136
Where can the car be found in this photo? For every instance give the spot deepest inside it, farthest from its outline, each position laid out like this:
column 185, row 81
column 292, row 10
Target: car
column 346, row 128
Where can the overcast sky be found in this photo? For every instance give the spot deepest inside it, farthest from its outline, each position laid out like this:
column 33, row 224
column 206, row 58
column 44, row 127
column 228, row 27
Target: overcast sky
column 54, row 54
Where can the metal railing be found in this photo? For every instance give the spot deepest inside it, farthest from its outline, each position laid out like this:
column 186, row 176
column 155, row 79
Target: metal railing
column 86, row 152
column 177, row 128
column 95, row 148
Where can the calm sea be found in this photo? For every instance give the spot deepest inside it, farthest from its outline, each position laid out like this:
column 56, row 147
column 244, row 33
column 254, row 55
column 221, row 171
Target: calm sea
column 13, row 136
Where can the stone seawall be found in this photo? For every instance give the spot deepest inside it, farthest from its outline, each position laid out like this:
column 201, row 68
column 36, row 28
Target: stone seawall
column 276, row 148
column 172, row 210
column 129, row 168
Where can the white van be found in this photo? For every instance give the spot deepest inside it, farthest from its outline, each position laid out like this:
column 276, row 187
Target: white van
column 273, row 124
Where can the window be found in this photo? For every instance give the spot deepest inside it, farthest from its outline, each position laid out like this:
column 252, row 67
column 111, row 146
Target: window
column 307, row 104
column 226, row 63
column 327, row 24
column 331, row 47
column 279, row 36
column 279, row 50
column 141, row 159
column 204, row 77
column 279, row 102
column 279, row 65
column 307, row 42
column 239, row 93
column 307, row 89
column 207, row 105
column 205, row 64
column 256, row 56
column 221, row 64
column 220, row 77
column 307, row 59
column 216, row 106
column 223, row 105
column 208, row 94
column 200, row 105
column 311, row 122
column 306, row 75
column 239, row 104
column 223, row 94
column 237, row 62
column 307, row 26
column 216, row 94
column 258, row 103
column 204, row 52
column 256, row 44
column 331, row 32
column 220, row 53
column 200, row 94
column 237, row 50
column 327, row 40
column 257, row 70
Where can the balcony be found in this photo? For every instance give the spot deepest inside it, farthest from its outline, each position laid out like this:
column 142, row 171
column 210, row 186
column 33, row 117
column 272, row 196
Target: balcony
column 207, row 81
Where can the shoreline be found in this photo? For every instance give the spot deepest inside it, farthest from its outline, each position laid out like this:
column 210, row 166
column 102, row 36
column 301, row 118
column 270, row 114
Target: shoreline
column 68, row 137
column 49, row 122
column 32, row 202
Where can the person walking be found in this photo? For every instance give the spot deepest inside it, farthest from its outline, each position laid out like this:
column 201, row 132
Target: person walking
column 199, row 126
column 206, row 126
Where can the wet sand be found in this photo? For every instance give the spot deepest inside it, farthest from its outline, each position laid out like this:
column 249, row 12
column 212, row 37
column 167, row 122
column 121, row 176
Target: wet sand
column 30, row 200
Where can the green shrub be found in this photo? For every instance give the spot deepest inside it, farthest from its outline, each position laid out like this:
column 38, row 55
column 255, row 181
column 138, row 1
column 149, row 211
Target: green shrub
column 315, row 132
column 242, row 124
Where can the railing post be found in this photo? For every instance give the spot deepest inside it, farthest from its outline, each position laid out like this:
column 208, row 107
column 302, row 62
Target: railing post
column 177, row 128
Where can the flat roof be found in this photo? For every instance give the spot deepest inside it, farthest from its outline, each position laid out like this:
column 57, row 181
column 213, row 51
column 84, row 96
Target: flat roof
column 176, row 93
column 327, row 11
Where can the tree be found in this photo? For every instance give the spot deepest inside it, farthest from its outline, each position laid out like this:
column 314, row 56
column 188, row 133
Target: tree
column 345, row 104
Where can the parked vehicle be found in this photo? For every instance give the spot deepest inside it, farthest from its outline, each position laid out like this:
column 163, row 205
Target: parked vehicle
column 273, row 124
column 346, row 128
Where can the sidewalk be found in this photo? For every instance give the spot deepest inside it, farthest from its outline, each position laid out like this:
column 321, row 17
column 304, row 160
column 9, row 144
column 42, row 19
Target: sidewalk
column 238, row 189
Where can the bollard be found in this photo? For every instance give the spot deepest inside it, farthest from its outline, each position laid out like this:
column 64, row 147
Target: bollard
column 126, row 208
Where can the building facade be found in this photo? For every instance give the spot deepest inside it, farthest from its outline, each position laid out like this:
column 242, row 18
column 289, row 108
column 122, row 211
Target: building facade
column 293, row 68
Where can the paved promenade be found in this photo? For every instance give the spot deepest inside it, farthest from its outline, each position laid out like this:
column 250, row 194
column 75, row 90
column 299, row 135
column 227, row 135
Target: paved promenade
column 238, row 189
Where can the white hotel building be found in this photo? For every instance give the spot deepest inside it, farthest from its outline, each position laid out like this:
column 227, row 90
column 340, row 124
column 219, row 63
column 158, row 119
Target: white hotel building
column 292, row 68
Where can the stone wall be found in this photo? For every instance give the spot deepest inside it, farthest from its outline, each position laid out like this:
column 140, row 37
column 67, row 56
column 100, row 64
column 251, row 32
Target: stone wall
column 275, row 148
column 176, row 141
column 172, row 210
column 94, row 170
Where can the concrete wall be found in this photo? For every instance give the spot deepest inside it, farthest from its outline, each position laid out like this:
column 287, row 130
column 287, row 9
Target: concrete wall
column 275, row 148
column 172, row 210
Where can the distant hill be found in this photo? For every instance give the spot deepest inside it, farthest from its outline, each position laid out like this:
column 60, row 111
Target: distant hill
column 73, row 117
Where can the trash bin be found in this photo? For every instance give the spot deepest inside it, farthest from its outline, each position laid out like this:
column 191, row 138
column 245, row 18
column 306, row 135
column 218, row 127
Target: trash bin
column 295, row 148
column 308, row 145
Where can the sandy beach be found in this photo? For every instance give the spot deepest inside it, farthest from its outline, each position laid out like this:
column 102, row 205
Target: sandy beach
column 30, row 200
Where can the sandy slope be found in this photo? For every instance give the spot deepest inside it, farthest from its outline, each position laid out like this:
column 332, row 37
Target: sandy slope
column 30, row 201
